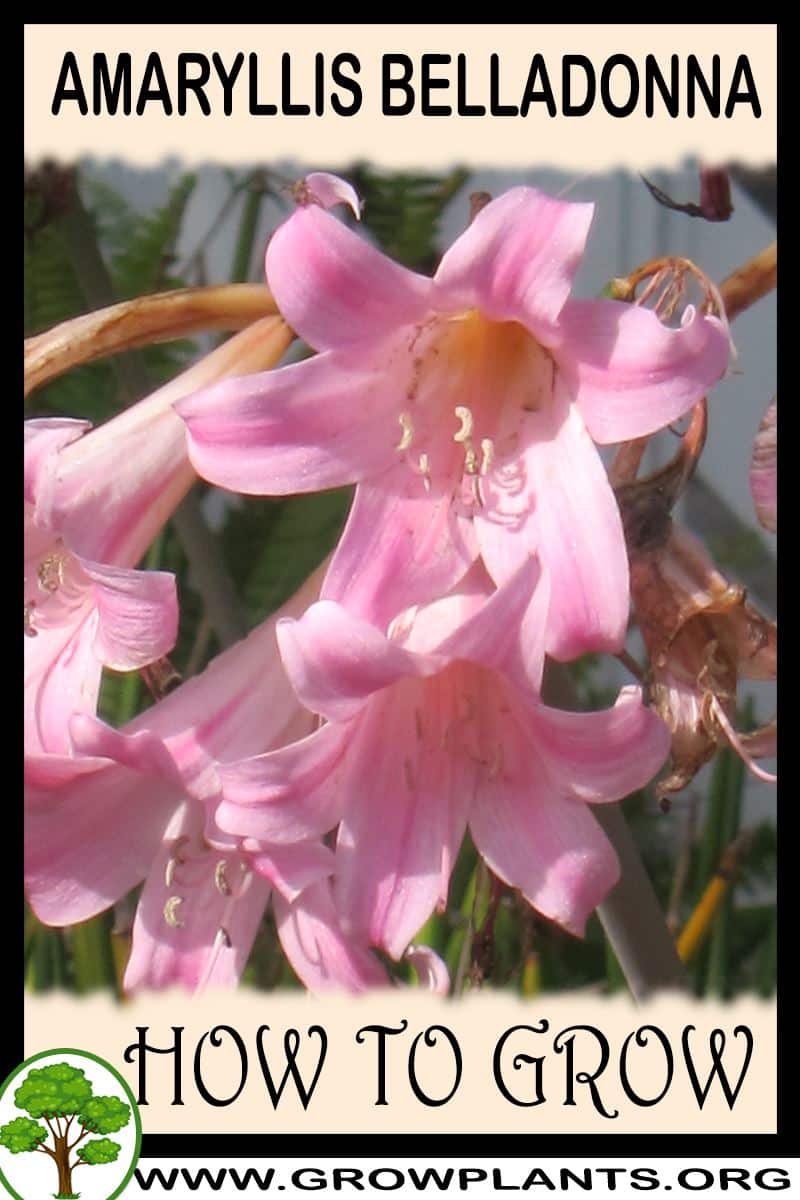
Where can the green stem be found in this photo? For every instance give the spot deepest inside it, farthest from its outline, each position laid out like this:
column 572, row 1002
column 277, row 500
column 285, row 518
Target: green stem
column 92, row 954
column 717, row 981
column 248, row 226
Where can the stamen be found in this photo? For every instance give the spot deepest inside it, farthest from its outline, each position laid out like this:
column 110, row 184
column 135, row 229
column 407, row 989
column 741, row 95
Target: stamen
column 220, row 879
column 487, row 455
column 425, row 470
column 51, row 571
column 407, row 425
column 169, row 873
column 170, row 913
column 470, row 459
column 465, row 417
column 28, row 620
column 408, row 775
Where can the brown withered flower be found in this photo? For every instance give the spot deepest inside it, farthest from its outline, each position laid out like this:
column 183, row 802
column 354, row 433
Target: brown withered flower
column 701, row 633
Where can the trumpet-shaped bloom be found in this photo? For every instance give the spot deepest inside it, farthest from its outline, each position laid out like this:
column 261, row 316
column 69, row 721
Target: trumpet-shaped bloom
column 84, row 605
column 139, row 804
column 94, row 501
column 464, row 405
column 435, row 728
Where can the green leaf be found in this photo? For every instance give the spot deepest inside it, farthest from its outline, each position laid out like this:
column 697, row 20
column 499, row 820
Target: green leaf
column 403, row 211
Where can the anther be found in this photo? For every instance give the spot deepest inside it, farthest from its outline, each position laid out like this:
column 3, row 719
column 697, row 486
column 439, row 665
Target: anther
column 169, row 872
column 220, row 879
column 407, row 426
column 425, row 470
column 170, row 913
column 51, row 571
column 487, row 455
column 465, row 417
column 28, row 621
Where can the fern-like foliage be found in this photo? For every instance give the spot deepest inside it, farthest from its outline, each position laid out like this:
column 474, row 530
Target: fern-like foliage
column 403, row 211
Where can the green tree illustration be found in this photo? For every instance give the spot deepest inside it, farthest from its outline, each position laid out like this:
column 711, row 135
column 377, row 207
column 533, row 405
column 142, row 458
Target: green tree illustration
column 61, row 1096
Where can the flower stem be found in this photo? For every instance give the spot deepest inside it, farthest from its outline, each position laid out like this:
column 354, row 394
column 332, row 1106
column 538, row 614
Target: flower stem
column 751, row 281
column 145, row 319
column 632, row 918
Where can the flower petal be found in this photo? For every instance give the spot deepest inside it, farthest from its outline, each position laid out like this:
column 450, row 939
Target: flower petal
column 62, row 677
column 322, row 955
column 430, row 968
column 549, row 847
column 599, row 756
column 43, row 438
column 327, row 190
column 630, row 373
column 517, row 259
column 91, row 840
column 573, row 524
column 291, row 868
column 401, row 546
column 334, row 288
column 286, row 795
column 404, row 821
column 137, row 614
column 188, row 929
column 320, row 423
column 336, row 661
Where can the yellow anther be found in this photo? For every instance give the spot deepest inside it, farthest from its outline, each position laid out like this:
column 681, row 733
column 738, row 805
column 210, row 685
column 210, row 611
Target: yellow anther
column 465, row 417
column 169, row 873
column 470, row 460
column 170, row 912
column 407, row 425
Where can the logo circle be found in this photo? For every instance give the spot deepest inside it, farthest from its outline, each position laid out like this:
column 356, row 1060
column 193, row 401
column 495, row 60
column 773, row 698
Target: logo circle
column 62, row 1111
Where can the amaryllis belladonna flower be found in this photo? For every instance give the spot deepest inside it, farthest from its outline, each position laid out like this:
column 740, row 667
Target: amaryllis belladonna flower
column 94, row 501
column 464, row 405
column 435, row 728
column 139, row 804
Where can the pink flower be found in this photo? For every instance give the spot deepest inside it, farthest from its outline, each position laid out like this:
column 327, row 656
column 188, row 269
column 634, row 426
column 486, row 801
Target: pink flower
column 94, row 501
column 433, row 729
column 88, row 518
column 464, row 405
column 140, row 804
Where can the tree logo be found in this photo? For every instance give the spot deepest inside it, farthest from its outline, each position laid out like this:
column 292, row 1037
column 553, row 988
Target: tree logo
column 56, row 1111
